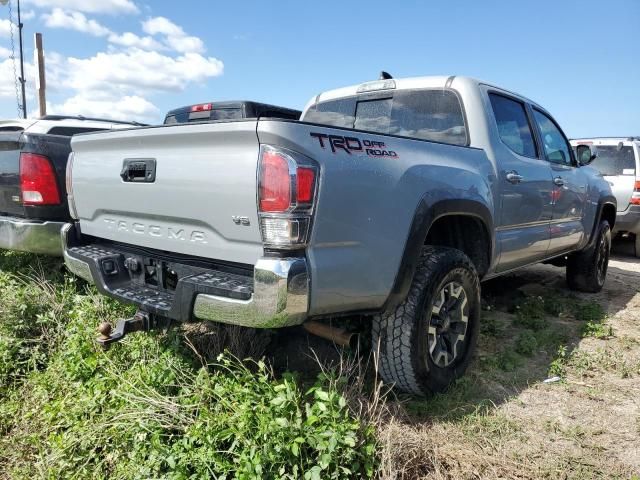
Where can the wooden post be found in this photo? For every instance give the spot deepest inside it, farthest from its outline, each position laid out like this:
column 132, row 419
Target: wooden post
column 41, row 83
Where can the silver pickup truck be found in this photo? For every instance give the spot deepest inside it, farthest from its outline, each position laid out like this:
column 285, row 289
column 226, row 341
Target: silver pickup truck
column 391, row 199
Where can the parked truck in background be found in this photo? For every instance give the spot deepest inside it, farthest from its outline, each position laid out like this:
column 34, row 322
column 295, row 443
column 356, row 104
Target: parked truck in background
column 33, row 160
column 392, row 200
column 618, row 160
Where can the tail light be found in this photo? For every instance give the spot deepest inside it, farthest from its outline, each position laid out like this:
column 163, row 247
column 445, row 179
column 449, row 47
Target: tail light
column 287, row 183
column 69, row 184
column 38, row 182
column 204, row 107
column 635, row 197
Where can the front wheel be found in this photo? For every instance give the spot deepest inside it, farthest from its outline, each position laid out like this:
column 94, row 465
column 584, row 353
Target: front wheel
column 587, row 270
column 428, row 340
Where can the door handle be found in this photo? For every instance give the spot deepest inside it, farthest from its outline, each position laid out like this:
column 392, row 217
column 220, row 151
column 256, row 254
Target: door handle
column 558, row 181
column 514, row 177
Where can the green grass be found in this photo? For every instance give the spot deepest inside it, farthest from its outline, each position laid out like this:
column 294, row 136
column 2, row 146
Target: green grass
column 147, row 408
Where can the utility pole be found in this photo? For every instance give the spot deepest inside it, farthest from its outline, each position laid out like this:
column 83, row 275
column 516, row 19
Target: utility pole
column 22, row 79
column 41, row 83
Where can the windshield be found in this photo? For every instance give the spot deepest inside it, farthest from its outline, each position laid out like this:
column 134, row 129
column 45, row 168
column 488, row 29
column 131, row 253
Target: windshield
column 612, row 160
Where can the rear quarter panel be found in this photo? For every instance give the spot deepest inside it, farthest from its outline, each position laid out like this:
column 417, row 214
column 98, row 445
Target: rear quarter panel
column 366, row 205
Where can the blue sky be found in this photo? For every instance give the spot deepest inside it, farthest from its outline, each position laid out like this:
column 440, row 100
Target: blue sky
column 579, row 59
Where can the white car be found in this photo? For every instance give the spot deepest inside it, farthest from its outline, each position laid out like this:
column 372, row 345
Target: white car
column 618, row 159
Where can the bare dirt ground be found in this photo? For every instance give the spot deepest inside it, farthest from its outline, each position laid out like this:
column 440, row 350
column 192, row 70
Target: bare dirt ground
column 503, row 421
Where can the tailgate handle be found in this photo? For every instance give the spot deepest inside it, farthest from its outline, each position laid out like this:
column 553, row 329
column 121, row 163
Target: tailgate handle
column 139, row 170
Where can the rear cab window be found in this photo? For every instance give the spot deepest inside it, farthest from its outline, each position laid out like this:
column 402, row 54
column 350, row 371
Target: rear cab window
column 426, row 114
column 615, row 160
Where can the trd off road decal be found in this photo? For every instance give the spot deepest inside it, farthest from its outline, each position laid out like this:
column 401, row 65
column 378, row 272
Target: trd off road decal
column 353, row 145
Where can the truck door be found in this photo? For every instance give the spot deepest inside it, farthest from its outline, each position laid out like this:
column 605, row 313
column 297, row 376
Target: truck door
column 525, row 185
column 569, row 186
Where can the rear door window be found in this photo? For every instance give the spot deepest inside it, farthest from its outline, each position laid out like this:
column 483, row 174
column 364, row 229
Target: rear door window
column 613, row 160
column 513, row 125
column 434, row 115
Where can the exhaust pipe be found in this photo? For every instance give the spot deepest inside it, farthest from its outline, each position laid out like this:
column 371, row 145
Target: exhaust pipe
column 339, row 336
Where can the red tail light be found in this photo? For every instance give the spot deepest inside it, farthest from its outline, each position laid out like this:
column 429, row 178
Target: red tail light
column 286, row 193
column 275, row 183
column 38, row 182
column 202, row 108
column 635, row 197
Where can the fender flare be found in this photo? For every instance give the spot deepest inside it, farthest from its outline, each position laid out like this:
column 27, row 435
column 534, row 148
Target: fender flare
column 606, row 200
column 425, row 216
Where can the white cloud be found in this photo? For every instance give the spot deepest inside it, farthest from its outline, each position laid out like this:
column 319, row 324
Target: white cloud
column 140, row 70
column 120, row 82
column 5, row 52
column 5, row 28
column 132, row 40
column 58, row 18
column 175, row 36
column 162, row 25
column 7, row 79
column 88, row 6
column 123, row 108
column 28, row 15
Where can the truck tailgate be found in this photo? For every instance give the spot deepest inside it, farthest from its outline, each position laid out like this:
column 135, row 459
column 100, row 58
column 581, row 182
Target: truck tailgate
column 205, row 179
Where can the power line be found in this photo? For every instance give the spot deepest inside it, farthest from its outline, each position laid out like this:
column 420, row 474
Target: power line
column 13, row 58
column 22, row 106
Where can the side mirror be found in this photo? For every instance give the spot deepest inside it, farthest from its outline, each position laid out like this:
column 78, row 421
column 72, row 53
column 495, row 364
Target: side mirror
column 585, row 154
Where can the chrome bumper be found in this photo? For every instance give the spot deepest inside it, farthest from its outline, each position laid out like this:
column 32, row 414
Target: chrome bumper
column 30, row 236
column 280, row 295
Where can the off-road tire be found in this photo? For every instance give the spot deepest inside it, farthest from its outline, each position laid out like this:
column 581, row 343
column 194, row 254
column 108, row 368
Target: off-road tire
column 587, row 270
column 400, row 337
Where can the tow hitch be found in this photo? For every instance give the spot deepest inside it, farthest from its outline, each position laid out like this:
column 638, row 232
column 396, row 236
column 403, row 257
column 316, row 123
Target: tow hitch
column 141, row 321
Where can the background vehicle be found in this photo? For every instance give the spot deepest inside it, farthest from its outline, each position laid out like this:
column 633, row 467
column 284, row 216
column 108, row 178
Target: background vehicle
column 33, row 159
column 391, row 199
column 618, row 159
column 228, row 110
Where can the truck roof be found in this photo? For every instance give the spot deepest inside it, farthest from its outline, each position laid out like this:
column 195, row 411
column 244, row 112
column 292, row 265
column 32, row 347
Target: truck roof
column 431, row 81
column 606, row 139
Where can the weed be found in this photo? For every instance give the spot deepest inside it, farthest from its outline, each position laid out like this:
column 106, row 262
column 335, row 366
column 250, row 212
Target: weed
column 491, row 326
column 589, row 312
column 531, row 314
column 558, row 367
column 148, row 408
column 526, row 343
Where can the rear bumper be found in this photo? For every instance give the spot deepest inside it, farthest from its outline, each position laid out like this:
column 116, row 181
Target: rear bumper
column 628, row 221
column 30, row 236
column 276, row 295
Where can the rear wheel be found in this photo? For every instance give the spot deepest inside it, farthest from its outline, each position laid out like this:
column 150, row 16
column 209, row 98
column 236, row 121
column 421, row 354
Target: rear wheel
column 637, row 245
column 428, row 340
column 587, row 270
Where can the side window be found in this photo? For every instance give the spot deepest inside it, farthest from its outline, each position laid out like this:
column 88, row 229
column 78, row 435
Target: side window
column 556, row 146
column 513, row 125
